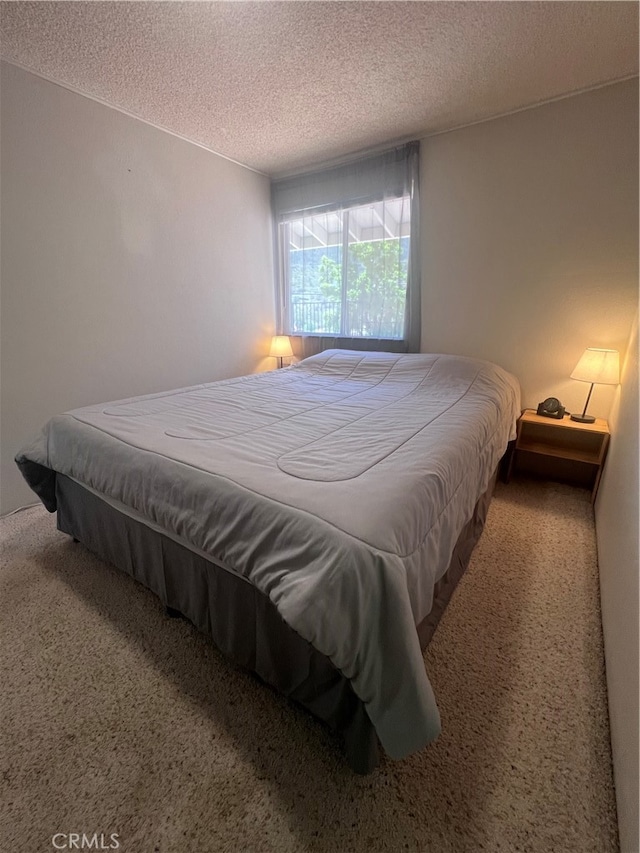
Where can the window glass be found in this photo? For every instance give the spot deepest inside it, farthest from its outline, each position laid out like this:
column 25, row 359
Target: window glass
column 345, row 272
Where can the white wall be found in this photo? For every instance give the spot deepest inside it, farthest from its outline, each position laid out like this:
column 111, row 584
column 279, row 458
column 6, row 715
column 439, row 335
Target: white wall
column 617, row 514
column 132, row 261
column 530, row 240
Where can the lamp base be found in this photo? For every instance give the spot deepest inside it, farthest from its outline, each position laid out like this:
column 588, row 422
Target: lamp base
column 583, row 419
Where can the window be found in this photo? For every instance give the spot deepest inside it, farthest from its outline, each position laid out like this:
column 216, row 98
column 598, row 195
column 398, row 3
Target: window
column 345, row 272
column 348, row 268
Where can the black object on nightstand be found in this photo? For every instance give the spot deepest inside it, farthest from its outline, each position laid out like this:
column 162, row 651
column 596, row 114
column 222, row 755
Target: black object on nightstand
column 551, row 408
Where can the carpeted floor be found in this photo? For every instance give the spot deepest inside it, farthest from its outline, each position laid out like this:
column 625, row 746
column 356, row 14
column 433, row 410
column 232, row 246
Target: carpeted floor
column 116, row 719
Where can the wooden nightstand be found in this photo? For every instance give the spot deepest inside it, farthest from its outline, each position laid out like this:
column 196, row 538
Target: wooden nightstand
column 561, row 449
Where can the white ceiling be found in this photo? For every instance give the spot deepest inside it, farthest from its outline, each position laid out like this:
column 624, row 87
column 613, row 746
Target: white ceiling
column 283, row 85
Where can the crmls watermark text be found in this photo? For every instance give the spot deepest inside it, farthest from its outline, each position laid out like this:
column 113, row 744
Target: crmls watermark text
column 82, row 841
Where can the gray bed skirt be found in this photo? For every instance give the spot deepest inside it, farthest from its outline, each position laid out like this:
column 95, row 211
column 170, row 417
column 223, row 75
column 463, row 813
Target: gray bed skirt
column 241, row 620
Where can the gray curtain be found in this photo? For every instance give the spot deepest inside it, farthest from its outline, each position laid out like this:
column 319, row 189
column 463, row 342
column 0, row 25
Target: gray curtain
column 386, row 175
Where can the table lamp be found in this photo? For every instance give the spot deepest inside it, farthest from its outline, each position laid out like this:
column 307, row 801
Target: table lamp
column 599, row 367
column 280, row 348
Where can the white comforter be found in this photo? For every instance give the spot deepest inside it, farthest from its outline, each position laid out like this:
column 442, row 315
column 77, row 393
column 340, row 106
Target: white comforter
column 338, row 487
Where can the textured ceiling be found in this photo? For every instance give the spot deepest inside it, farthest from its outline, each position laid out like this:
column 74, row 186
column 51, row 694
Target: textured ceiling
column 282, row 85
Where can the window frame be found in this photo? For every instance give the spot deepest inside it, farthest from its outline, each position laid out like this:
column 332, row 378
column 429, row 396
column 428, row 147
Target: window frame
column 351, row 182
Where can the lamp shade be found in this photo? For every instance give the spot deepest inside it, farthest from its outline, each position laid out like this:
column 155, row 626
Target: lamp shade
column 601, row 366
column 280, row 347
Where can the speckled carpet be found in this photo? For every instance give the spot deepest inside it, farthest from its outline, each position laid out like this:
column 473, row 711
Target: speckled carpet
column 117, row 721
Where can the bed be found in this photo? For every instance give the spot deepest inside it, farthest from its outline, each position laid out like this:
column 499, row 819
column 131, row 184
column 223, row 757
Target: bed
column 313, row 520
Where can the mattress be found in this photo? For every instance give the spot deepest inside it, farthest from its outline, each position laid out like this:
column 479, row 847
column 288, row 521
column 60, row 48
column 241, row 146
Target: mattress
column 337, row 487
